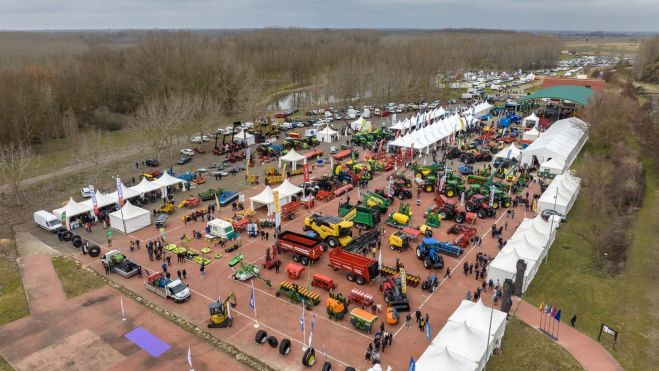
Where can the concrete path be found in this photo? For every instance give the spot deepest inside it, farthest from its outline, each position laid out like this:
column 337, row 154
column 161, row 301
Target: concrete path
column 588, row 352
column 42, row 285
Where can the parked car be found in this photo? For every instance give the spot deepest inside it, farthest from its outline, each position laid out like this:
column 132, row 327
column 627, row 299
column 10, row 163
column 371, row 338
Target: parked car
column 199, row 139
column 187, row 152
column 545, row 214
column 86, row 192
column 183, row 160
column 151, row 162
column 199, row 149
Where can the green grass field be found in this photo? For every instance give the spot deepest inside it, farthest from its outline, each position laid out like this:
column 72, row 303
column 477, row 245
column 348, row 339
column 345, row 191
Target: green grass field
column 5, row 366
column 524, row 348
column 572, row 281
column 13, row 302
column 75, row 280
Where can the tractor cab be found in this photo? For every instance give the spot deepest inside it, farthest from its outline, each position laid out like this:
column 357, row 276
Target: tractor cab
column 219, row 314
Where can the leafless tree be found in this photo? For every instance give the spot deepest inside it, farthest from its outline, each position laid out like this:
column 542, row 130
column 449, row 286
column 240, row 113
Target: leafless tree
column 15, row 159
column 93, row 149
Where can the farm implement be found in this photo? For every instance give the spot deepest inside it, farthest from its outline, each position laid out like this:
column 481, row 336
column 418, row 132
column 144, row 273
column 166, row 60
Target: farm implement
column 296, row 294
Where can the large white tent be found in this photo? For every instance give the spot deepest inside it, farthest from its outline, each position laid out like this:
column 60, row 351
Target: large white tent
column 145, row 186
column 511, row 152
column 477, row 316
column 327, row 135
column 435, row 358
column 130, row 216
column 244, row 137
column 532, row 134
column 126, row 192
column 462, row 340
column 553, row 166
column 167, row 180
column 287, row 190
column 563, row 140
column 504, row 266
column 265, row 199
column 293, row 157
column 101, row 200
column 561, row 193
column 73, row 208
column 531, row 119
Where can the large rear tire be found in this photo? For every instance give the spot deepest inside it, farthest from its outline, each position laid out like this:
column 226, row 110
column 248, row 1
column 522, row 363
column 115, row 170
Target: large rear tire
column 481, row 214
column 94, row 251
column 460, row 218
column 285, row 347
column 427, row 263
column 332, row 241
column 351, row 277
column 261, row 337
column 450, row 193
column 309, row 357
column 361, row 280
column 419, row 253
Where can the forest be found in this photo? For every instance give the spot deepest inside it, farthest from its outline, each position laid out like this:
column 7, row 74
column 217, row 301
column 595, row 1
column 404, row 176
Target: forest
column 54, row 84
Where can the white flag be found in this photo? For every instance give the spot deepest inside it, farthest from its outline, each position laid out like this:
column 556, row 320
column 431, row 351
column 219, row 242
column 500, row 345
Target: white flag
column 380, row 260
column 228, row 310
column 189, row 357
column 123, row 314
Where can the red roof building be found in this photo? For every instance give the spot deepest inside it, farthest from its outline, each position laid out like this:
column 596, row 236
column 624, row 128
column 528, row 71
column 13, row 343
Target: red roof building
column 594, row 84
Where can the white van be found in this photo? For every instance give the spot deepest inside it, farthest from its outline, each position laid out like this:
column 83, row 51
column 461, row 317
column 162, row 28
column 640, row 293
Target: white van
column 47, row 221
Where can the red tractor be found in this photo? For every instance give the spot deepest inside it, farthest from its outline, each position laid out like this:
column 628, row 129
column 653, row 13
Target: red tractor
column 399, row 191
column 471, row 157
column 479, row 205
column 464, row 234
column 449, row 210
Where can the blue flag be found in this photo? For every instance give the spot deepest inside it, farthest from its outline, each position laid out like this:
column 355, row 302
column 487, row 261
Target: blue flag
column 252, row 301
column 302, row 317
column 558, row 315
column 412, row 364
column 427, row 330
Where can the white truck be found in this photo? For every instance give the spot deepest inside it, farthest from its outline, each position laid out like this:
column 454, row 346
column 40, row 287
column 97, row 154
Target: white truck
column 168, row 289
column 119, row 263
column 47, row 221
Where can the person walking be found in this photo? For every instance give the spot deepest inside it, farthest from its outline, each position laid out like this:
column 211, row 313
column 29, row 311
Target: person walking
column 573, row 320
column 185, row 274
column 178, row 274
column 422, row 323
column 418, row 315
column 202, row 269
column 107, row 269
column 468, row 297
column 408, row 318
column 168, row 259
column 471, row 268
column 448, row 272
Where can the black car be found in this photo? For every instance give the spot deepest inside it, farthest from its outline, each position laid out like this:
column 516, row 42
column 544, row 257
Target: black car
column 545, row 214
column 183, row 160
column 152, row 162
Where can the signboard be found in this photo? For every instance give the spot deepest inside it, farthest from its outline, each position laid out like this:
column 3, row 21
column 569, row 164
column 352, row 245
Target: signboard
column 608, row 330
column 275, row 201
column 403, row 281
column 306, row 172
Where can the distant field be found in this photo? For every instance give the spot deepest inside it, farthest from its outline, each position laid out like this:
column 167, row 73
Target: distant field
column 603, row 46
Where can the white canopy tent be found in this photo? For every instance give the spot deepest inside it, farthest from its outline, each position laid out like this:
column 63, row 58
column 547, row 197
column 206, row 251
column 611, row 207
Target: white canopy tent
column 165, row 181
column 553, row 166
column 477, row 316
column 561, row 194
column 360, row 124
column 532, row 134
column 511, row 152
column 463, row 340
column 130, row 216
column 293, row 157
column 265, row 199
column 73, row 208
column 101, row 201
column 563, row 140
column 435, row 358
column 481, row 109
column 145, row 186
column 504, row 266
column 531, row 119
column 327, row 135
column 244, row 137
column 287, row 190
column 126, row 192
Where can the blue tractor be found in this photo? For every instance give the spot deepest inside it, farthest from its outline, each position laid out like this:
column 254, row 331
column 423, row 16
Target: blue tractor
column 429, row 251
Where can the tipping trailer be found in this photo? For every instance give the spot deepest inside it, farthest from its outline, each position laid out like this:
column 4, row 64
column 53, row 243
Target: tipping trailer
column 361, row 269
column 362, row 217
column 305, row 249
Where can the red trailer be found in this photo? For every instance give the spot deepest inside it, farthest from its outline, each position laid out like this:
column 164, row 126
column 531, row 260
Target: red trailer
column 361, row 269
column 305, row 249
column 343, row 154
column 313, row 154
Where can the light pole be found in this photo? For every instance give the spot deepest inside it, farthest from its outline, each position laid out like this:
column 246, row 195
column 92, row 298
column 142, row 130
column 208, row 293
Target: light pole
column 551, row 227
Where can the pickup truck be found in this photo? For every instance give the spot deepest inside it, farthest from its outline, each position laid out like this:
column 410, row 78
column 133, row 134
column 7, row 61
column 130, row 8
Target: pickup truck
column 120, row 264
column 161, row 285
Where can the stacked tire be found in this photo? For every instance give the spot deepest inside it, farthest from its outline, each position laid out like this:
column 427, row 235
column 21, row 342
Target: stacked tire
column 284, row 346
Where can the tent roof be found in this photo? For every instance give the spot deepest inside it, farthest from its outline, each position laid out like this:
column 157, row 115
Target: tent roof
column 129, row 211
column 461, row 339
column 292, row 156
column 242, row 135
column 288, row 189
column 145, row 186
column 512, row 148
column 101, row 200
column 531, row 117
column 435, row 358
column 328, row 131
column 553, row 163
column 507, row 261
column 127, row 193
column 577, row 94
column 477, row 316
column 72, row 208
column 167, row 180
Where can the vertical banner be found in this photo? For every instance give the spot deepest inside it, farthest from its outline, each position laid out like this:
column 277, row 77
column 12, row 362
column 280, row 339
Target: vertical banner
column 120, row 192
column 492, row 189
column 277, row 208
column 306, row 172
column 248, row 156
column 94, row 200
column 390, row 189
column 403, row 280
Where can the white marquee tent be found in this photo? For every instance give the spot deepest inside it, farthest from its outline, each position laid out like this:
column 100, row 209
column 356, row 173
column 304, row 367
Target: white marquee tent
column 561, row 194
column 504, row 266
column 265, row 199
column 511, row 152
column 73, row 208
column 327, row 135
column 145, row 186
column 244, row 137
column 563, row 140
column 101, row 201
column 293, row 157
column 126, row 192
column 531, row 119
column 287, row 190
column 477, row 316
column 132, row 217
column 444, row 359
column 165, row 181
column 553, row 166
column 532, row 134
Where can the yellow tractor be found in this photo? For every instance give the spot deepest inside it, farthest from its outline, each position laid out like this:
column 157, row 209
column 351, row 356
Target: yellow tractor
column 400, row 219
column 220, row 313
column 333, row 230
column 167, row 208
column 337, row 306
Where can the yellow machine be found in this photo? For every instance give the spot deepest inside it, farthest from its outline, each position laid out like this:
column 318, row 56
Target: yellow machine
column 333, row 230
column 167, row 208
column 219, row 312
column 400, row 240
column 426, row 230
column 337, row 306
column 392, row 316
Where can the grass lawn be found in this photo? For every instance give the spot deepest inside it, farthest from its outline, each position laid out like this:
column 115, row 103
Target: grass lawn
column 75, row 280
column 525, row 348
column 5, row 366
column 572, row 281
column 13, row 302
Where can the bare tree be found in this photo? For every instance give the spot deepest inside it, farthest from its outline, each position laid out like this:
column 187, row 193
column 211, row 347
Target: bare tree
column 93, row 149
column 15, row 159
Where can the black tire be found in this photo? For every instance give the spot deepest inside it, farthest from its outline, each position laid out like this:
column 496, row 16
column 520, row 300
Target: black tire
column 424, row 286
column 361, row 280
column 427, row 263
column 460, row 218
column 77, row 242
column 304, row 260
column 261, row 337
column 443, row 215
column 67, row 236
column 351, row 277
column 285, row 347
column 94, row 251
column 327, row 366
column 481, row 214
column 350, row 368
column 429, row 188
column 419, row 253
column 309, row 357
column 296, row 258
column 507, row 204
column 273, row 342
column 332, row 241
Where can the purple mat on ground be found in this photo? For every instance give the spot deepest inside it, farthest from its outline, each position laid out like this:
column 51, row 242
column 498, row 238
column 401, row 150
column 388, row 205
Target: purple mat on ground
column 147, row 341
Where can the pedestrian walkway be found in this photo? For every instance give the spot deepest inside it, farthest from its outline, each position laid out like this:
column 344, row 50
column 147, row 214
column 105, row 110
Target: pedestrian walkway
column 588, row 352
column 42, row 285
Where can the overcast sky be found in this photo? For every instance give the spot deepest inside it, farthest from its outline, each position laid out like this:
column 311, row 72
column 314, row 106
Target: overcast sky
column 577, row 15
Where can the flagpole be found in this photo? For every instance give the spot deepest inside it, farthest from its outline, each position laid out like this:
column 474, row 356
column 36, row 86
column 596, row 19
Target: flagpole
column 190, row 358
column 123, row 313
column 256, row 320
column 304, row 330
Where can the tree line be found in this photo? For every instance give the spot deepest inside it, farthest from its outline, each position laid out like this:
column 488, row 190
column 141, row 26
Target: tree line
column 646, row 66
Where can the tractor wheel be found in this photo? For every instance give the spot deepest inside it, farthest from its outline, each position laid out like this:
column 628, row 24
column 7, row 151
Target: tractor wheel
column 481, row 214
column 392, row 247
column 469, row 207
column 67, row 236
column 495, row 204
column 327, row 366
column 332, row 242
column 349, row 368
column 94, row 251
column 77, row 242
column 304, row 260
column 460, row 218
column 507, row 204
column 419, row 253
column 443, row 215
column 272, row 341
column 296, row 258
column 400, row 196
column 424, row 286
column 285, row 347
column 427, row 263
column 309, row 357
column 277, row 294
column 361, row 280
column 418, row 175
column 261, row 337
column 351, row 277
column 450, row 193
column 429, row 188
